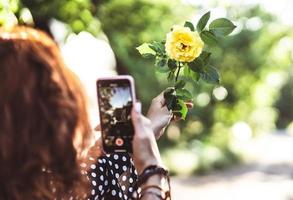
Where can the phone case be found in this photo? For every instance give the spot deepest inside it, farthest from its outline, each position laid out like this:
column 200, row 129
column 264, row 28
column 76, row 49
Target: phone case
column 124, row 140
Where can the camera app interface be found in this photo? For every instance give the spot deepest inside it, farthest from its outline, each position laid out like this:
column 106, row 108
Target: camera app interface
column 115, row 110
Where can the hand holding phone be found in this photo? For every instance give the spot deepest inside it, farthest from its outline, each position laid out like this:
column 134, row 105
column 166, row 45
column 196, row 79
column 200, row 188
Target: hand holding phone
column 116, row 96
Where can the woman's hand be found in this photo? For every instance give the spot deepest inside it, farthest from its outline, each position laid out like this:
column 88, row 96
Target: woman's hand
column 145, row 148
column 160, row 116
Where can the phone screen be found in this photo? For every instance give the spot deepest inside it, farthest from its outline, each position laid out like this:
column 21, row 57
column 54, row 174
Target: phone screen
column 115, row 104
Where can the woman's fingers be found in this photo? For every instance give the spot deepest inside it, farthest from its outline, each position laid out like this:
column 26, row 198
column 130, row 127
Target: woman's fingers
column 189, row 105
column 176, row 118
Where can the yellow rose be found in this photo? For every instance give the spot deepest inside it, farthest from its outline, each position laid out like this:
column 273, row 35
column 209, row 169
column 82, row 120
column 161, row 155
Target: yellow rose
column 183, row 45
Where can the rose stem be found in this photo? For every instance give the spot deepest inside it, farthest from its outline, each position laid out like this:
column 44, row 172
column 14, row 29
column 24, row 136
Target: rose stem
column 176, row 78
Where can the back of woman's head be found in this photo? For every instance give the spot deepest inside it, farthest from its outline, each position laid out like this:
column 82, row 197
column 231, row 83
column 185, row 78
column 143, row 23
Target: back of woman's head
column 42, row 115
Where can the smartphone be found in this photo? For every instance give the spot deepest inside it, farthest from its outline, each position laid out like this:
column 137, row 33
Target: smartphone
column 115, row 97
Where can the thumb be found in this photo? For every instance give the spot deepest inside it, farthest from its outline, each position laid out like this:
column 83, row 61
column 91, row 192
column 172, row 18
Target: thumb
column 137, row 107
column 135, row 113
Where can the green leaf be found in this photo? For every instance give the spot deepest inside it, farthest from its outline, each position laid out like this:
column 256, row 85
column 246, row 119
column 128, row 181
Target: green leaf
column 157, row 47
column 203, row 21
column 190, row 76
column 183, row 94
column 222, row 27
column 145, row 49
column 194, row 76
column 189, row 25
column 210, row 74
column 172, row 64
column 183, row 110
column 196, row 65
column 186, row 71
column 171, row 76
column 160, row 62
column 208, row 37
column 205, row 57
column 180, row 84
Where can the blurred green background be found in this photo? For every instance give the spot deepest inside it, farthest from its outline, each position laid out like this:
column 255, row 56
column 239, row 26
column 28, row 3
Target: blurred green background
column 256, row 91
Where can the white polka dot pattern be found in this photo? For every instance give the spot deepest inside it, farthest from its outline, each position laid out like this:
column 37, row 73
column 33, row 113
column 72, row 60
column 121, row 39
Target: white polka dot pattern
column 113, row 177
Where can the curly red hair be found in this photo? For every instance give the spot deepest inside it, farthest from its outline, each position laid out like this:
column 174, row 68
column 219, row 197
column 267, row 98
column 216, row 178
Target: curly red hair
column 43, row 119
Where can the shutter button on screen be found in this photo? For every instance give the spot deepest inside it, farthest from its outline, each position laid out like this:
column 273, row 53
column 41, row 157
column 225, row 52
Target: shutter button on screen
column 119, row 142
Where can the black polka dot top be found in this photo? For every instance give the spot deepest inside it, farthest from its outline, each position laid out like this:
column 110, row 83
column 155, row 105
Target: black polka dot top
column 113, row 177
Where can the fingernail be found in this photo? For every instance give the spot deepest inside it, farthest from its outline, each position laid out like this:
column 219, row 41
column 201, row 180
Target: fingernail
column 137, row 107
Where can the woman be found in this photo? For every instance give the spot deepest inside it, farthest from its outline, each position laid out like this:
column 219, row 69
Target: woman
column 44, row 127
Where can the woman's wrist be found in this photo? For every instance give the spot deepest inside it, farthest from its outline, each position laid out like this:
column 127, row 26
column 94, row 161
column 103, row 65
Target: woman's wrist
column 157, row 130
column 156, row 187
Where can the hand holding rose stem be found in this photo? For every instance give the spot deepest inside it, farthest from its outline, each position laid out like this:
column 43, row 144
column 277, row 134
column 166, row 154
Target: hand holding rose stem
column 160, row 116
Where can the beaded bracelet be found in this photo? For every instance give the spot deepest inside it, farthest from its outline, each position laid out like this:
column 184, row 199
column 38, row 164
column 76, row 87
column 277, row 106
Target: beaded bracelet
column 150, row 171
column 146, row 174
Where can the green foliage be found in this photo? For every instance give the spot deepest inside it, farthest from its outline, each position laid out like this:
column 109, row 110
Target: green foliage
column 209, row 38
column 172, row 65
column 181, row 110
column 210, row 74
column 183, row 94
column 196, row 65
column 8, row 10
column 203, row 21
column 222, row 27
column 205, row 57
column 78, row 14
column 189, row 25
column 179, row 84
column 145, row 50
